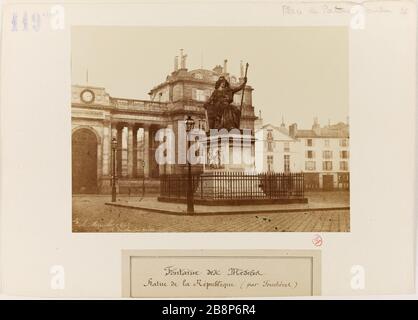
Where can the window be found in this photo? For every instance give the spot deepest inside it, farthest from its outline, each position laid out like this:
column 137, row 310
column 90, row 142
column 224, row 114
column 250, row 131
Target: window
column 199, row 95
column 161, row 96
column 326, row 142
column 310, row 154
column 286, row 147
column 286, row 163
column 269, row 163
column 309, row 142
column 310, row 165
column 198, row 76
column 344, row 154
column 343, row 165
column 344, row 143
column 327, row 165
column 270, row 140
column 327, row 154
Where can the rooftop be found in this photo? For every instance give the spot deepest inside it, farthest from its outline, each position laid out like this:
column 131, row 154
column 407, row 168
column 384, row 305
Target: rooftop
column 339, row 130
column 180, row 72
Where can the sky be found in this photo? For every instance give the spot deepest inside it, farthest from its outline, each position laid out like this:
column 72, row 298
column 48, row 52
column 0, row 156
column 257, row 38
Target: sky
column 298, row 73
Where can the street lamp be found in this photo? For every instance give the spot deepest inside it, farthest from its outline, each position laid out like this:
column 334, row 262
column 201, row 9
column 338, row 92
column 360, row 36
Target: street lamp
column 190, row 205
column 114, row 147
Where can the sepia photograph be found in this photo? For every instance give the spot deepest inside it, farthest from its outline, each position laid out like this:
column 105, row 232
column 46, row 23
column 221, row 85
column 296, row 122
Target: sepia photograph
column 216, row 150
column 210, row 129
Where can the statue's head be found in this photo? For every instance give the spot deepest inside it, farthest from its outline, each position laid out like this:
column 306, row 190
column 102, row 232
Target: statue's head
column 221, row 83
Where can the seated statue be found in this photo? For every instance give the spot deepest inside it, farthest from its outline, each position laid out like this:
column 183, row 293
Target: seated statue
column 220, row 110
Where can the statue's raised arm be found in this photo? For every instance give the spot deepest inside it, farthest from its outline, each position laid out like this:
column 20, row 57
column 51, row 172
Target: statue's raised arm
column 240, row 87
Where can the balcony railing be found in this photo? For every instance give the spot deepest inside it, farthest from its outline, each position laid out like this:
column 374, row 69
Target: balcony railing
column 140, row 105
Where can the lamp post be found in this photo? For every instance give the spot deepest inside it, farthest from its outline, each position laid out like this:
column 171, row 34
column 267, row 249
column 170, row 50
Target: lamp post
column 114, row 146
column 190, row 204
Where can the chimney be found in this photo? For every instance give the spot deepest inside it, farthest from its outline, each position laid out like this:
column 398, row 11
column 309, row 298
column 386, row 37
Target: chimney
column 182, row 59
column 316, row 127
column 225, row 66
column 176, row 63
column 283, row 124
column 293, row 130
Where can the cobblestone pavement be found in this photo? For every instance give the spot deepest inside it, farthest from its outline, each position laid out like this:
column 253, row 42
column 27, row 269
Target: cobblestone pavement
column 90, row 214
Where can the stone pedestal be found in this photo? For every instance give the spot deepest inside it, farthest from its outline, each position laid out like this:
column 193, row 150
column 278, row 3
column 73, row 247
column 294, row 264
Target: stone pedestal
column 229, row 176
column 229, row 152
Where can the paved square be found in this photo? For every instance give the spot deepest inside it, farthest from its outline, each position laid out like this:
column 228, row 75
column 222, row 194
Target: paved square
column 91, row 214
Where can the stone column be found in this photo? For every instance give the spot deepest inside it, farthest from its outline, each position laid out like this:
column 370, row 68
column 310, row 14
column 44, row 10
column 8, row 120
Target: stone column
column 119, row 151
column 99, row 162
column 125, row 151
column 139, row 157
column 106, row 155
column 153, row 166
column 168, row 168
column 130, row 150
column 146, row 150
column 114, row 134
column 135, row 152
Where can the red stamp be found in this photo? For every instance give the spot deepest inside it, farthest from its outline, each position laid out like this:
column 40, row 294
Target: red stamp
column 317, row 240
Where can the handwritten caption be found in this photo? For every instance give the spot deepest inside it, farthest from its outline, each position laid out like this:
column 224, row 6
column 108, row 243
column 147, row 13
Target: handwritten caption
column 338, row 9
column 232, row 277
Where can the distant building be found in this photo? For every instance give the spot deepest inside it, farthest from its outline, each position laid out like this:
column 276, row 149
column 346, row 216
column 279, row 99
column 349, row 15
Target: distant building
column 322, row 153
column 280, row 151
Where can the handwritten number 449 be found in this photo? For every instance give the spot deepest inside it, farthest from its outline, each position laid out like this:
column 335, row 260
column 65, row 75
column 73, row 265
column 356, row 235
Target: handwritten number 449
column 23, row 24
column 34, row 21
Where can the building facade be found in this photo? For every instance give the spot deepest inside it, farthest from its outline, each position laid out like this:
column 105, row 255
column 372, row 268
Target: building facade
column 97, row 117
column 324, row 155
column 321, row 153
column 280, row 151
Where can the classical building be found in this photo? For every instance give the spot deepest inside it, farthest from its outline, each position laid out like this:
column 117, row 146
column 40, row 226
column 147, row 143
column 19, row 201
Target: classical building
column 97, row 117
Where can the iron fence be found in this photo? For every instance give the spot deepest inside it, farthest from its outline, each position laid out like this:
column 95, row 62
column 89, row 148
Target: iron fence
column 234, row 186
